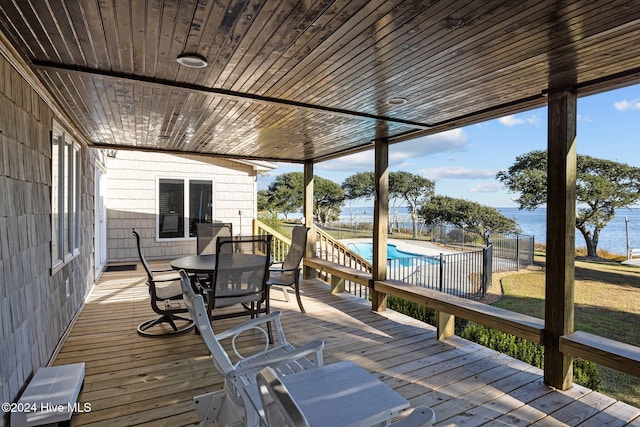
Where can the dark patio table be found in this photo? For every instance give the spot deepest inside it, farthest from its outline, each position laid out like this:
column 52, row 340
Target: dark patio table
column 206, row 264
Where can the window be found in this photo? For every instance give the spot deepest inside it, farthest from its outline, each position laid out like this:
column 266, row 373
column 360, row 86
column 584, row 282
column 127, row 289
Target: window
column 65, row 197
column 182, row 203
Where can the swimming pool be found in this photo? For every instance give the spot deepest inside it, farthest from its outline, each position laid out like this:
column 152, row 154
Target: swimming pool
column 365, row 250
column 395, row 257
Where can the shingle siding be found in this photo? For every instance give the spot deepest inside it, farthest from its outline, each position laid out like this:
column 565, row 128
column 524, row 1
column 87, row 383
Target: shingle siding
column 34, row 307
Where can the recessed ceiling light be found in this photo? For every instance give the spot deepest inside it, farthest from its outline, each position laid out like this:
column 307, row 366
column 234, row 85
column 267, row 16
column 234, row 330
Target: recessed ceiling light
column 396, row 101
column 192, row 60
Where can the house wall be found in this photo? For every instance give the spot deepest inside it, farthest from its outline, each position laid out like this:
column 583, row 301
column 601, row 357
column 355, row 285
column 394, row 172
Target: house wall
column 132, row 200
column 35, row 309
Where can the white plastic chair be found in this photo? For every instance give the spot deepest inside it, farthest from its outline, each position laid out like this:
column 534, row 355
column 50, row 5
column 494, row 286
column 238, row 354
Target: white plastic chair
column 281, row 409
column 232, row 404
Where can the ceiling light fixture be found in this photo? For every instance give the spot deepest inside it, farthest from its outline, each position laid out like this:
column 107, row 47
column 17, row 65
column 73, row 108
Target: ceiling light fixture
column 192, row 60
column 396, row 101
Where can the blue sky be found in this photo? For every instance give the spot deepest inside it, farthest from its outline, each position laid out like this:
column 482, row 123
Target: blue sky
column 464, row 162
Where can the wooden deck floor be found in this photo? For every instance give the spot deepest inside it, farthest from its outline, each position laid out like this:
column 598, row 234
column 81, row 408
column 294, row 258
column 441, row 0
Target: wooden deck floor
column 132, row 380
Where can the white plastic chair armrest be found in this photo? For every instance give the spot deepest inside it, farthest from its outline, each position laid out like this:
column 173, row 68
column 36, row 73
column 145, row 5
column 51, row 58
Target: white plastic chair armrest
column 274, row 315
column 422, row 416
column 300, row 352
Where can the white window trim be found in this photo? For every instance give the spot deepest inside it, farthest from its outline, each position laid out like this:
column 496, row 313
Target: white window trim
column 185, row 220
column 66, row 255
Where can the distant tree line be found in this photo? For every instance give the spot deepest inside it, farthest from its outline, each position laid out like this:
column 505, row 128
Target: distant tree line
column 602, row 187
column 285, row 196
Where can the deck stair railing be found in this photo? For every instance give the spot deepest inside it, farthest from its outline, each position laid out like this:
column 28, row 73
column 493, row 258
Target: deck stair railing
column 330, row 249
column 280, row 243
column 327, row 248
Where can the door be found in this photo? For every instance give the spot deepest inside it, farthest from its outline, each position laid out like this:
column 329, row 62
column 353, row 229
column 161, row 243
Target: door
column 100, row 233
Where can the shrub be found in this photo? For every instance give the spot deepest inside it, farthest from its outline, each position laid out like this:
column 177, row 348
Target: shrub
column 273, row 222
column 586, row 374
column 420, row 312
column 411, row 309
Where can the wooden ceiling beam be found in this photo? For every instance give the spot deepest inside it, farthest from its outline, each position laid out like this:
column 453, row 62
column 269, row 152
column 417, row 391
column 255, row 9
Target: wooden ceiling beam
column 228, row 94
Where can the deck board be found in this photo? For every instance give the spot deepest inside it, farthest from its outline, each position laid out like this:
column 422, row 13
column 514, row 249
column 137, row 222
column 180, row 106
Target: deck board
column 133, row 380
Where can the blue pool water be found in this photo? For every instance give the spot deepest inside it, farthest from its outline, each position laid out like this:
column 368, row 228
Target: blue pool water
column 365, row 250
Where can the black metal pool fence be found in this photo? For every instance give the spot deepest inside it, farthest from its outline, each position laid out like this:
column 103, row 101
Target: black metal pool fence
column 467, row 273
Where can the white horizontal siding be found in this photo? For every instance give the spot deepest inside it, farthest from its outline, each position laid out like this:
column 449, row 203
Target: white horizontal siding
column 131, row 199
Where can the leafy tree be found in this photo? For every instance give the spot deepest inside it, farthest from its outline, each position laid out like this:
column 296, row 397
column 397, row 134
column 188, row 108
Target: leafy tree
column 328, row 198
column 265, row 204
column 483, row 219
column 413, row 189
column 359, row 186
column 285, row 193
column 602, row 186
column 403, row 187
column 395, row 197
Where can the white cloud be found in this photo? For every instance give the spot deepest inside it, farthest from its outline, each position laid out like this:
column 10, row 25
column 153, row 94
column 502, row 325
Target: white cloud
column 457, row 173
column 485, row 187
column 533, row 120
column 359, row 162
column 512, row 120
column 584, row 119
column 403, row 153
column 627, row 105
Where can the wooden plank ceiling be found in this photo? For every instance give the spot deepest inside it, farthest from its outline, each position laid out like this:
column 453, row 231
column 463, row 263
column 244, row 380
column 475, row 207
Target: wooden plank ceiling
column 309, row 80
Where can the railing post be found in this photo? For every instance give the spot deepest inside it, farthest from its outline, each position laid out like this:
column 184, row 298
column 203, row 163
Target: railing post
column 446, row 325
column 517, row 252
column 337, row 284
column 310, row 250
column 487, row 267
column 441, row 284
column 532, row 248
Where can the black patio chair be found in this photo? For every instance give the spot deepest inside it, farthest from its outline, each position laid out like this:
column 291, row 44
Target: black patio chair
column 207, row 234
column 288, row 274
column 240, row 277
column 166, row 300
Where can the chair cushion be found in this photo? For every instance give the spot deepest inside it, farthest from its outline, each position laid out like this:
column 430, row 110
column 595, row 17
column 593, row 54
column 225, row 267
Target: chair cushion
column 168, row 290
column 282, row 277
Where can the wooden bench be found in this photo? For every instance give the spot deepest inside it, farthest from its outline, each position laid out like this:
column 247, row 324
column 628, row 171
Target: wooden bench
column 449, row 306
column 339, row 273
column 50, row 396
column 604, row 351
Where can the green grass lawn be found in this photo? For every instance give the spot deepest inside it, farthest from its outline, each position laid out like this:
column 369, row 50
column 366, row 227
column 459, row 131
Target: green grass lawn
column 607, row 303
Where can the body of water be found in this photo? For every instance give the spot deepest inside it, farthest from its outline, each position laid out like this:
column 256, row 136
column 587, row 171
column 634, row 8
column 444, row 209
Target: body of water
column 613, row 237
